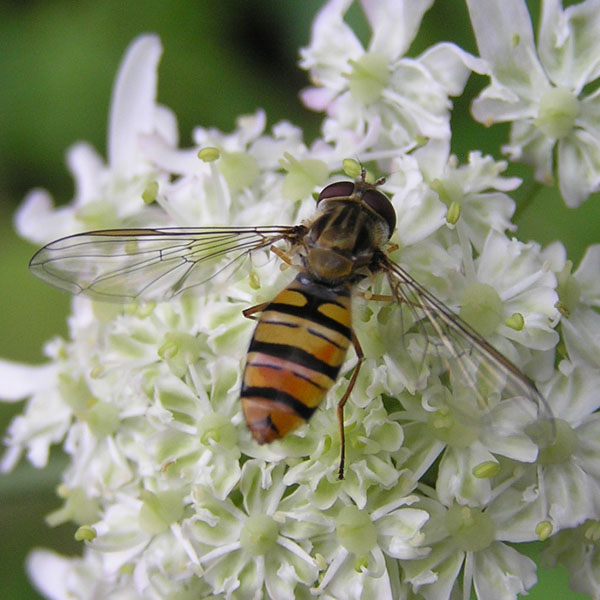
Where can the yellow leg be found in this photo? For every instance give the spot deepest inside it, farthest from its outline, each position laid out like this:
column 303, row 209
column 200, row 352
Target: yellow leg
column 282, row 255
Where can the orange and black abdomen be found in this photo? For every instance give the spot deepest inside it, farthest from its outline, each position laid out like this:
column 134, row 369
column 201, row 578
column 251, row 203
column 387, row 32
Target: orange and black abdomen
column 295, row 356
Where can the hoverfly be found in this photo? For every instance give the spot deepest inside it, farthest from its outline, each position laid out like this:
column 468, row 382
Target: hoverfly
column 302, row 336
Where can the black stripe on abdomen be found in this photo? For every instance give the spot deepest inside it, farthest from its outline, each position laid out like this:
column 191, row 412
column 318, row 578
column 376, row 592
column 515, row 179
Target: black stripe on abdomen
column 281, row 397
column 295, row 355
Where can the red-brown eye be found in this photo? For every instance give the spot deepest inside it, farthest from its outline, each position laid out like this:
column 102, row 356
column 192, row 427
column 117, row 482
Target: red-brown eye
column 337, row 190
column 381, row 204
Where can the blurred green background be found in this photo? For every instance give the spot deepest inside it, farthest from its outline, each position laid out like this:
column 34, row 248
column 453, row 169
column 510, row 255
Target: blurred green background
column 221, row 59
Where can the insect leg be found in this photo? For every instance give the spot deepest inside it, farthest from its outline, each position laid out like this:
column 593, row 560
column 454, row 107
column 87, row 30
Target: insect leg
column 249, row 312
column 342, row 402
column 388, row 298
column 378, row 297
column 282, row 255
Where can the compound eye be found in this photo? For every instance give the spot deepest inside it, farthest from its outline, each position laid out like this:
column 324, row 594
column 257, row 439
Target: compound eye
column 341, row 189
column 381, row 204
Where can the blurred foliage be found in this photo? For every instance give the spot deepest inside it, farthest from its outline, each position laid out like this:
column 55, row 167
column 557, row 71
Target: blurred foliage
column 223, row 58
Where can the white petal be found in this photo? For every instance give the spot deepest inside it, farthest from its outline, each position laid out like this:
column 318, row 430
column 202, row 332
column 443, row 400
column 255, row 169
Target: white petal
column 420, row 211
column 394, row 24
column 578, row 167
column 517, row 511
column 528, row 144
column 332, row 43
column 501, row 573
column 506, row 436
column 317, row 98
column 574, row 398
column 156, row 149
column 20, row 380
column 50, row 572
column 435, row 576
column 581, row 332
column 588, row 449
column 432, row 157
column 555, row 255
column 165, row 122
column 587, row 275
column 37, row 221
column 571, row 494
column 569, row 44
column 456, row 481
column 88, row 169
column 132, row 108
column 498, row 103
column 505, row 40
column 589, row 113
column 451, row 66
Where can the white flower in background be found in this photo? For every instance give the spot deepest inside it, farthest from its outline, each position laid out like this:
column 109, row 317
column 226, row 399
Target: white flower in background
column 261, row 545
column 466, row 552
column 58, row 577
column 171, row 496
column 477, row 190
column 563, row 489
column 376, row 99
column 544, row 93
column 46, row 418
column 578, row 550
column 369, row 541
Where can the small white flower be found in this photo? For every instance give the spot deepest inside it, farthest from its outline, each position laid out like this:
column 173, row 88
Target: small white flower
column 564, row 488
column 45, row 420
column 371, row 439
column 543, row 93
column 367, row 539
column 478, row 190
column 365, row 91
column 466, row 548
column 261, row 547
column 510, row 278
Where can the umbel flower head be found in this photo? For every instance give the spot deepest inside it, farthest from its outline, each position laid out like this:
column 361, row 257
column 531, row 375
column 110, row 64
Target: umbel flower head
column 169, row 494
column 547, row 91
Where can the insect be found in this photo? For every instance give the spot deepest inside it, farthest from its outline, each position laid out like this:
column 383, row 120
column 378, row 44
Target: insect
column 302, row 336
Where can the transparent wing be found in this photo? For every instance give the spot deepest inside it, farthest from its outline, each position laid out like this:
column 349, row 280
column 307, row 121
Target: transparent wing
column 123, row 265
column 480, row 375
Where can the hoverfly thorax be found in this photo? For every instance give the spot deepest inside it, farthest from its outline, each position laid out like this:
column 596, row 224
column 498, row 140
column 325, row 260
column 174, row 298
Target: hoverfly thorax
column 354, row 219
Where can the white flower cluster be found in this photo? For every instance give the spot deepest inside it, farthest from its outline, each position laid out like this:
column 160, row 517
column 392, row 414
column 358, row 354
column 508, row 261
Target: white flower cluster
column 173, row 498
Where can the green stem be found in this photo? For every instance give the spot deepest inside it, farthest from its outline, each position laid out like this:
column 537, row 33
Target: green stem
column 526, row 197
